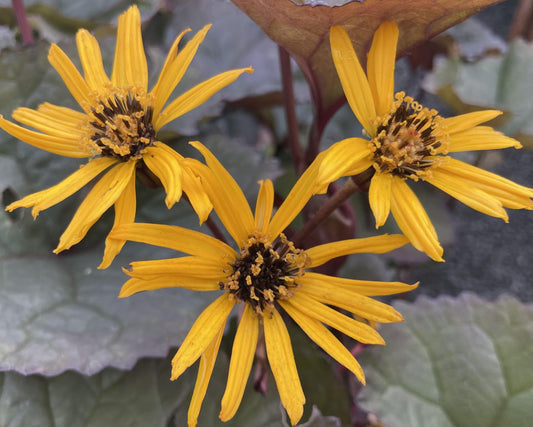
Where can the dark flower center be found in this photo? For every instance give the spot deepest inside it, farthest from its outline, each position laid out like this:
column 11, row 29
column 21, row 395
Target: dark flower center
column 407, row 139
column 121, row 127
column 261, row 274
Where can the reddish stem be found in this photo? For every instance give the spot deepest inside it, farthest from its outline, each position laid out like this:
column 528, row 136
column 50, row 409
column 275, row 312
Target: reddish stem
column 25, row 29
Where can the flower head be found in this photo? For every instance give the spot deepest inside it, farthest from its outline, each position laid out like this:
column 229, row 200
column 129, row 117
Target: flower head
column 265, row 274
column 117, row 129
column 407, row 141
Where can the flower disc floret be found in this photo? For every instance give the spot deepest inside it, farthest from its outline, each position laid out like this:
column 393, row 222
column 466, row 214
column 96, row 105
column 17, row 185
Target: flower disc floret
column 407, row 139
column 264, row 273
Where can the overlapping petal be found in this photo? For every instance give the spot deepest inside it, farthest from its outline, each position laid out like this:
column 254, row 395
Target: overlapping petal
column 379, row 196
column 91, row 60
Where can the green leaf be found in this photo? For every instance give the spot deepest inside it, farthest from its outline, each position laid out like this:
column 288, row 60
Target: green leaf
column 141, row 397
column 501, row 82
column 304, row 32
column 453, row 362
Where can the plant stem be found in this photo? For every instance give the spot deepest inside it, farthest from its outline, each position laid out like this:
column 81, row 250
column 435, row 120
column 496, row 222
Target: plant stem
column 212, row 225
column 290, row 110
column 25, row 29
column 349, row 188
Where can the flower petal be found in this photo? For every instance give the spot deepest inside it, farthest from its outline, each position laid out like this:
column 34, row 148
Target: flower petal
column 91, row 60
column 283, row 365
column 175, row 66
column 174, row 237
column 380, row 66
column 71, row 76
column 379, row 196
column 463, row 191
column 207, row 363
column 167, row 169
column 357, row 330
column 413, row 220
column 197, row 96
column 202, row 333
column 106, row 191
column 242, row 357
column 453, row 125
column 350, row 300
column 125, row 208
column 378, row 245
column 51, row 196
column 189, row 266
column 196, row 193
column 264, row 205
column 228, row 199
column 59, row 114
column 135, row 284
column 325, row 339
column 353, row 78
column 53, row 144
column 480, row 138
column 350, row 156
column 129, row 67
column 511, row 194
column 67, row 131
column 363, row 287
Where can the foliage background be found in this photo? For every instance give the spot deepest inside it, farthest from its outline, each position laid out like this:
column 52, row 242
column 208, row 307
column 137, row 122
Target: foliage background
column 72, row 354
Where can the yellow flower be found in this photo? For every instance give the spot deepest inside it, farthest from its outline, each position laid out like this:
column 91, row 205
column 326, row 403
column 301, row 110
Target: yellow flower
column 265, row 273
column 117, row 129
column 409, row 141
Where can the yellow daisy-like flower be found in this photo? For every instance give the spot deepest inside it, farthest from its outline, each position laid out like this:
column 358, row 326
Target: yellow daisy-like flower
column 117, row 129
column 265, row 273
column 409, row 141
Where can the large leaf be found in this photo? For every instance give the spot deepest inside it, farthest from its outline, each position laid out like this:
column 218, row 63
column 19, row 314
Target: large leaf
column 453, row 362
column 304, row 32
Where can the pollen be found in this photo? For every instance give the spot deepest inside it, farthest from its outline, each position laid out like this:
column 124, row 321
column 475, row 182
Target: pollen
column 265, row 272
column 120, row 124
column 408, row 139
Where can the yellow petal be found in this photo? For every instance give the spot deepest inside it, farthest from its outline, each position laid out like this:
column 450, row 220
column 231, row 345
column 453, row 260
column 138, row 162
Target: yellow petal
column 190, row 266
column 466, row 193
column 135, row 284
column 350, row 300
column 453, row 125
column 378, row 245
column 106, row 191
column 380, row 66
column 363, row 287
column 511, row 194
column 347, row 157
column 91, row 60
column 125, row 208
column 196, row 193
column 175, row 66
column 51, row 143
column 228, row 200
column 129, row 67
column 353, row 78
column 379, row 196
column 167, row 169
column 197, row 96
column 65, row 130
column 207, row 363
column 357, row 330
column 174, row 237
column 44, row 199
column 73, row 80
column 480, row 138
column 264, row 205
column 413, row 220
column 202, row 333
column 283, row 366
column 58, row 114
column 325, row 339
column 242, row 356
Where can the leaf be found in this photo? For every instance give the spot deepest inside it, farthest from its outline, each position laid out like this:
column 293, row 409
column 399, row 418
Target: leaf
column 501, row 82
column 141, row 397
column 304, row 32
column 453, row 362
